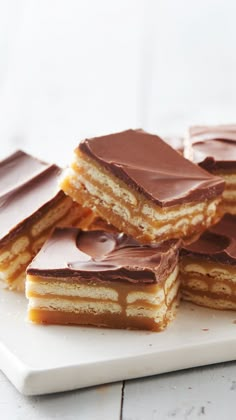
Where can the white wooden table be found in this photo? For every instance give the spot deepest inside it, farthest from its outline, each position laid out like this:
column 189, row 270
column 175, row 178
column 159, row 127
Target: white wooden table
column 207, row 392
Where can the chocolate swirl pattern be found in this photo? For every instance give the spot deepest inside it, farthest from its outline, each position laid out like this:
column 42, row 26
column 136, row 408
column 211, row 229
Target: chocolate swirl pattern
column 72, row 251
column 104, row 279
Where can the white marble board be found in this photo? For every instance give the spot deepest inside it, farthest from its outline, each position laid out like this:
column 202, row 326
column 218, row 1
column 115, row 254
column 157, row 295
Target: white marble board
column 45, row 359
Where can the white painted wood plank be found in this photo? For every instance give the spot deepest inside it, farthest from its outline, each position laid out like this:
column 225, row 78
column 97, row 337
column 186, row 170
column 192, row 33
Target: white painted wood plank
column 97, row 403
column 202, row 393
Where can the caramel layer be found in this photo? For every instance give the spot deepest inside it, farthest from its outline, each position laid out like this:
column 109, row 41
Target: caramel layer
column 102, row 319
column 208, row 300
column 121, row 292
column 203, row 284
column 132, row 201
column 208, row 293
column 211, row 269
column 115, row 305
column 125, row 208
column 208, row 284
column 228, row 203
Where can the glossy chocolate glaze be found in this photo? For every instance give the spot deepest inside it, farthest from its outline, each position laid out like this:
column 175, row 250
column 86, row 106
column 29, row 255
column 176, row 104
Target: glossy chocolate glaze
column 27, row 186
column 214, row 148
column 100, row 255
column 152, row 167
column 217, row 244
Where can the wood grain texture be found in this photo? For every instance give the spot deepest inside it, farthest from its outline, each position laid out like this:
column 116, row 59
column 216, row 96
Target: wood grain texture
column 201, row 393
column 97, row 403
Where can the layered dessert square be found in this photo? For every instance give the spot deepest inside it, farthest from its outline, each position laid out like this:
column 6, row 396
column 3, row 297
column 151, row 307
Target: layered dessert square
column 31, row 204
column 208, row 267
column 214, row 149
column 142, row 186
column 103, row 279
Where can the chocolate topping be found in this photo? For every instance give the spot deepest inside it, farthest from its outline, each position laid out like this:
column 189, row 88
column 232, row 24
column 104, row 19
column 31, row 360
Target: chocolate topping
column 27, row 185
column 227, row 226
column 152, row 167
column 203, row 132
column 217, row 244
column 214, row 148
column 71, row 252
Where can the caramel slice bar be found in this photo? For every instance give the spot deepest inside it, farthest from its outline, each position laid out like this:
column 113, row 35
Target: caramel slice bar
column 103, row 279
column 31, row 204
column 214, row 149
column 208, row 267
column 143, row 187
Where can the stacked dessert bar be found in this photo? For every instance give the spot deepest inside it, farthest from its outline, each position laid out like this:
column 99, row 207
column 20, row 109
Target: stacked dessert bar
column 143, row 187
column 214, row 149
column 152, row 201
column 208, row 266
column 105, row 279
column 31, row 205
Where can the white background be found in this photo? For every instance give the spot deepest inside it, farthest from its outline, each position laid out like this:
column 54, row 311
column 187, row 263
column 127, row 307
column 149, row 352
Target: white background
column 71, row 69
